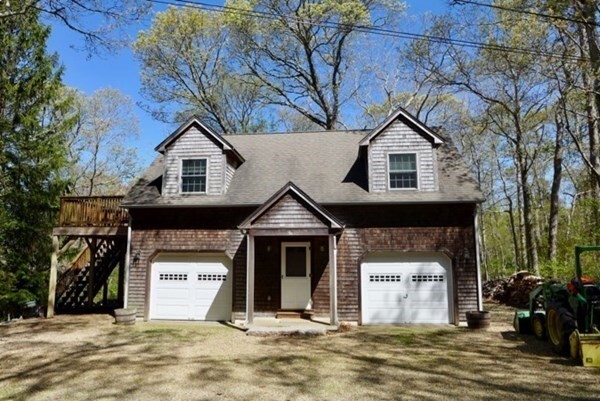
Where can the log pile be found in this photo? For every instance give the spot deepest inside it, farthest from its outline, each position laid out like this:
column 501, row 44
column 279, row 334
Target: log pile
column 513, row 290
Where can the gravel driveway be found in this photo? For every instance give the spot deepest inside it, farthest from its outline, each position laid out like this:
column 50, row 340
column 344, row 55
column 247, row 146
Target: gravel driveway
column 87, row 357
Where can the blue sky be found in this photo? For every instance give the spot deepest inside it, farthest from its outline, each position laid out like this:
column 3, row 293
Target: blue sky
column 121, row 71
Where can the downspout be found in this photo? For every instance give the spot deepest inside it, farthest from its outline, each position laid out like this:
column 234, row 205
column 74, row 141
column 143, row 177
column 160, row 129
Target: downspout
column 127, row 258
column 477, row 259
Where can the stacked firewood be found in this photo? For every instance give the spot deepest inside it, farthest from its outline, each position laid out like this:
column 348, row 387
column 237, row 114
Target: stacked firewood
column 513, row 290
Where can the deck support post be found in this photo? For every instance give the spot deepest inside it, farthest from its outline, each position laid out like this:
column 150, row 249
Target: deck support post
column 249, row 279
column 105, row 292
column 121, row 287
column 52, row 280
column 333, row 312
column 92, row 244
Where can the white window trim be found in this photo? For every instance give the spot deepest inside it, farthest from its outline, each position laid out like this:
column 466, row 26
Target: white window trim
column 387, row 172
column 180, row 175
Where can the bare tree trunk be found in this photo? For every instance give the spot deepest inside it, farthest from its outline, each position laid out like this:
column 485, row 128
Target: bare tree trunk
column 511, row 217
column 527, row 211
column 555, row 190
column 530, row 243
column 588, row 14
column 523, row 262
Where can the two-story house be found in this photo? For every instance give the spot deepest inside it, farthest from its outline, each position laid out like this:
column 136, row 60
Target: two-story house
column 371, row 226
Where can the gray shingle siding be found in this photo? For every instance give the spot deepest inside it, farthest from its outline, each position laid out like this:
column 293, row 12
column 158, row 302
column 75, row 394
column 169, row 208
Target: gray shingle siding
column 193, row 144
column 400, row 138
column 229, row 172
column 288, row 213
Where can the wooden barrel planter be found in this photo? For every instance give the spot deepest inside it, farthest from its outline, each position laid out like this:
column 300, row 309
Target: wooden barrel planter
column 125, row 316
column 478, row 319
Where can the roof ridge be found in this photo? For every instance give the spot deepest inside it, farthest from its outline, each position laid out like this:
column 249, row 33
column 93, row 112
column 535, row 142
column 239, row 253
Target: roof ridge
column 349, row 131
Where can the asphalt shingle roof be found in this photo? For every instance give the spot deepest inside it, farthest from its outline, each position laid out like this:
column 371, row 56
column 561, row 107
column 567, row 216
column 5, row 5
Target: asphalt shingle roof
column 324, row 165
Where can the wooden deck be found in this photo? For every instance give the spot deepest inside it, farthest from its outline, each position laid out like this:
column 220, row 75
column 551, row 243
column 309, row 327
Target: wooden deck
column 100, row 216
column 102, row 224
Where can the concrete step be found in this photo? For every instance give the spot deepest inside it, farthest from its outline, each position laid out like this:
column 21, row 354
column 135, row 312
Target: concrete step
column 294, row 314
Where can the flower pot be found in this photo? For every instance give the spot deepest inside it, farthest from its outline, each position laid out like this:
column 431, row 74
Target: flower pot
column 478, row 319
column 125, row 316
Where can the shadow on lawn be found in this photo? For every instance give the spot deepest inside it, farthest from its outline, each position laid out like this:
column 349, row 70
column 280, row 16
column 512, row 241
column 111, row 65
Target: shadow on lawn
column 90, row 359
column 378, row 363
column 531, row 345
column 57, row 325
column 61, row 363
column 436, row 361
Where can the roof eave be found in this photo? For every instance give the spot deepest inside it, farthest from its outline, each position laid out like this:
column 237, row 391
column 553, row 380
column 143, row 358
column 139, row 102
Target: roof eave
column 400, row 112
column 161, row 147
column 290, row 187
column 342, row 203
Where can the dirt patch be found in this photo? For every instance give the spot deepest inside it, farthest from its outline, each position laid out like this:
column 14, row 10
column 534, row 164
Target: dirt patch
column 87, row 357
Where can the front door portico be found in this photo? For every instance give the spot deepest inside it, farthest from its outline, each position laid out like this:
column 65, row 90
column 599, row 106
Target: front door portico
column 292, row 214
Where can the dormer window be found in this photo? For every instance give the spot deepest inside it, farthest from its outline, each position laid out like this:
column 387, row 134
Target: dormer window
column 403, row 171
column 193, row 176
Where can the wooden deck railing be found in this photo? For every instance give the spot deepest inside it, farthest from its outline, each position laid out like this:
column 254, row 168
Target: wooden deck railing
column 92, row 211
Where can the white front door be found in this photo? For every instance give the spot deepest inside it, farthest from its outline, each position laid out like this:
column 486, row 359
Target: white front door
column 295, row 275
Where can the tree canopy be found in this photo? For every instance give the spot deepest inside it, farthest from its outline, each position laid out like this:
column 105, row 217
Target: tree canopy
column 235, row 68
column 101, row 23
column 32, row 155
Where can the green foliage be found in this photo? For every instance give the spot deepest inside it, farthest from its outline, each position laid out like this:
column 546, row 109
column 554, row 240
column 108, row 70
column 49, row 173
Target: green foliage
column 234, row 69
column 303, row 53
column 101, row 162
column 188, row 69
column 32, row 153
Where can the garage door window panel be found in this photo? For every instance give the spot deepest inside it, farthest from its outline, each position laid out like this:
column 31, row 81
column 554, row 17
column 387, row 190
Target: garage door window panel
column 212, row 277
column 427, row 278
column 385, row 278
column 173, row 277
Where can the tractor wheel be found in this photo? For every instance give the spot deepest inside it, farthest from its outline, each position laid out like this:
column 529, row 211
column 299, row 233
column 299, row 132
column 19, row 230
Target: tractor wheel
column 575, row 346
column 538, row 323
column 560, row 323
column 516, row 324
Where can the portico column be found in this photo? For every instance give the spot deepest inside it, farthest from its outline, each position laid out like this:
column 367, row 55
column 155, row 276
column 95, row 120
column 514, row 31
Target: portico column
column 333, row 313
column 249, row 279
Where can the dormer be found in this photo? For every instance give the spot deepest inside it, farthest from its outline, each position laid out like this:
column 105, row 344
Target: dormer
column 198, row 161
column 401, row 155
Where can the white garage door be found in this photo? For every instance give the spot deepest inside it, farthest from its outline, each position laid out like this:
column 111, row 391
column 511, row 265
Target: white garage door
column 406, row 288
column 191, row 287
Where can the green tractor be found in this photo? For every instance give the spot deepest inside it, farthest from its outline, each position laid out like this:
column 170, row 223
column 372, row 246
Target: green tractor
column 568, row 315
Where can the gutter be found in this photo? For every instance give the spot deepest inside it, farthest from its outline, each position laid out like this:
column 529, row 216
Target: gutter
column 355, row 203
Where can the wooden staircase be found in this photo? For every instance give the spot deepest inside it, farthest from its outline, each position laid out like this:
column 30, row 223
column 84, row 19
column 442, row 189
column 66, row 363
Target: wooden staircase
column 73, row 287
column 103, row 224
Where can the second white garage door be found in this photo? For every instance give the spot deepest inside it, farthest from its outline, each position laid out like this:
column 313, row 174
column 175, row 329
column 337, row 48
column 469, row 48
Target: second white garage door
column 406, row 288
column 191, row 287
